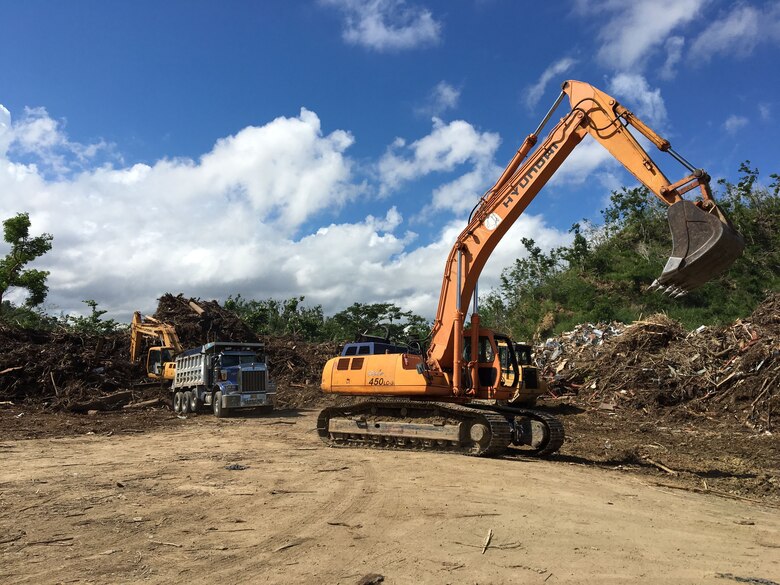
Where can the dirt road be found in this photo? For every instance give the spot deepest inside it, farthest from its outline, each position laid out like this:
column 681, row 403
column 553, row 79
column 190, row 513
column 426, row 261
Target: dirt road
column 165, row 506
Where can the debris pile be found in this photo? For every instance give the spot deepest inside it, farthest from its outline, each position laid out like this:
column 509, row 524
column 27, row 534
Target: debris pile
column 654, row 363
column 297, row 369
column 64, row 370
column 198, row 321
column 558, row 354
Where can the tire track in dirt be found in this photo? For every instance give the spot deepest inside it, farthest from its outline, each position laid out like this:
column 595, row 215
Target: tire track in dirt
column 308, row 519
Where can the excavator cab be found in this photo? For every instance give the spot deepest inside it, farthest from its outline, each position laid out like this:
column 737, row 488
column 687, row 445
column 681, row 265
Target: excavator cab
column 704, row 244
column 160, row 364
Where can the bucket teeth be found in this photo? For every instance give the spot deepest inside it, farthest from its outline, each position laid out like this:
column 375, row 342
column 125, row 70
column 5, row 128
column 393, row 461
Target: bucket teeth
column 671, row 290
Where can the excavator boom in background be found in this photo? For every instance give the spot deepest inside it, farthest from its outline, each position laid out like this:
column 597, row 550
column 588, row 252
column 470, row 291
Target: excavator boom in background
column 160, row 363
column 454, row 398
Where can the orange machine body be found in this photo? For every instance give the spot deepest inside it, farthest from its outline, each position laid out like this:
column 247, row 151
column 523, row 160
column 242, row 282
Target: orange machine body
column 703, row 239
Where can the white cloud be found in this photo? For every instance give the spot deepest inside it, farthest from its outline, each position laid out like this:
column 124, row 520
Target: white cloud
column 536, row 91
column 737, row 33
column 229, row 223
column 634, row 92
column 38, row 135
column 5, row 130
column 446, row 147
column 674, row 47
column 765, row 111
column 387, row 25
column 634, row 31
column 734, row 123
column 443, row 97
column 589, row 159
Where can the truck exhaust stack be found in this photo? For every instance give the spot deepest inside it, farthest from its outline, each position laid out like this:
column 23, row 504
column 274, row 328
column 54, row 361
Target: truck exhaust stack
column 704, row 244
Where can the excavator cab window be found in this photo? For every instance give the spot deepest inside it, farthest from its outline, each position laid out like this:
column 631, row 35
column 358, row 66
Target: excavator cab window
column 166, row 355
column 523, row 353
column 486, row 355
column 154, row 362
column 510, row 371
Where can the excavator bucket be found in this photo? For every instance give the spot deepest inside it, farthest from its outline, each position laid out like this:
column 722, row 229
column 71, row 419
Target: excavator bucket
column 703, row 245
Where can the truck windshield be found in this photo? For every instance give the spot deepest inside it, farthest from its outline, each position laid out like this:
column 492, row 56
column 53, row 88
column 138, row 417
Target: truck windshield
column 228, row 360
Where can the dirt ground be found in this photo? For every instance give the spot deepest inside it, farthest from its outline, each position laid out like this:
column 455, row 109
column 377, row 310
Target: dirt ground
column 148, row 497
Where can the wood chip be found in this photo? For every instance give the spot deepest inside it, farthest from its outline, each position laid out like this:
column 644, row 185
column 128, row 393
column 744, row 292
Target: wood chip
column 487, row 540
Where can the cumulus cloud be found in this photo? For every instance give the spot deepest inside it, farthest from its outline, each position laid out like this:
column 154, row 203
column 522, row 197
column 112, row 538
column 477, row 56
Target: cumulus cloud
column 234, row 221
column 443, row 97
column 387, row 25
column 738, row 32
column 553, row 72
column 674, row 47
column 633, row 31
column 445, row 148
column 635, row 93
column 734, row 123
column 38, row 135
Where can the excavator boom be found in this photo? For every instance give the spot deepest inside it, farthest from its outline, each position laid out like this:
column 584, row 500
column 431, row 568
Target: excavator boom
column 145, row 326
column 703, row 241
column 455, row 398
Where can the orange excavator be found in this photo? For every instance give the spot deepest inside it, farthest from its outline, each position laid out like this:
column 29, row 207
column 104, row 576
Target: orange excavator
column 160, row 364
column 455, row 397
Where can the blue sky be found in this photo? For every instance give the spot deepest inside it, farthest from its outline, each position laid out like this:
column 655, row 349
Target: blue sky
column 333, row 148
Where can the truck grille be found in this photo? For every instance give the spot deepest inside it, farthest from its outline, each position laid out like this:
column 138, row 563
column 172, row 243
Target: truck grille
column 252, row 381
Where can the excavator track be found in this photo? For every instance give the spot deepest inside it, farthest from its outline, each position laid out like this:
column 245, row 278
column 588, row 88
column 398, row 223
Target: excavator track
column 416, row 425
column 547, row 439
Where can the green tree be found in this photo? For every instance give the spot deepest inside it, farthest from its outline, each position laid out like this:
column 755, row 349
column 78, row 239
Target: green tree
column 274, row 317
column 24, row 249
column 383, row 319
column 604, row 274
column 93, row 323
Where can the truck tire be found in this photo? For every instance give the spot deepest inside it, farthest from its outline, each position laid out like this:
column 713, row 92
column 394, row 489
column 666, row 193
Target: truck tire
column 195, row 404
column 177, row 400
column 185, row 402
column 216, row 405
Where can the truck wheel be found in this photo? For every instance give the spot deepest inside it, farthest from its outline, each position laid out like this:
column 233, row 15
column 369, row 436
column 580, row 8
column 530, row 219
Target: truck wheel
column 185, row 402
column 177, row 399
column 194, row 401
column 216, row 405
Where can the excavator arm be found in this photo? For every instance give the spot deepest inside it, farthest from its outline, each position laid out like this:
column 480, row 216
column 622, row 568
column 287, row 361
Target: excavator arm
column 704, row 243
column 144, row 326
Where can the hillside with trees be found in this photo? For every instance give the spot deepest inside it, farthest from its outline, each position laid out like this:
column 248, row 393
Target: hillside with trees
column 605, row 273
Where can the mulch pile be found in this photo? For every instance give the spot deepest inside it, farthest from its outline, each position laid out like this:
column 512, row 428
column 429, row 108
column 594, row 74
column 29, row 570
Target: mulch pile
column 63, row 370
column 655, row 363
column 650, row 364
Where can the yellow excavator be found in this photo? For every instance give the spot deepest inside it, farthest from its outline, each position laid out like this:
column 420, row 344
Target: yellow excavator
column 455, row 398
column 160, row 364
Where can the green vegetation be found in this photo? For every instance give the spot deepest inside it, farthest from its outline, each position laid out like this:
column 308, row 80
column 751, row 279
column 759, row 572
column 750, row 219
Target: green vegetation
column 93, row 324
column 291, row 317
column 24, row 249
column 604, row 274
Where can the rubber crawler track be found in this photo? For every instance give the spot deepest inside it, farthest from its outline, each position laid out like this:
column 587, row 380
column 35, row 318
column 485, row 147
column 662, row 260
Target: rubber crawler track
column 497, row 424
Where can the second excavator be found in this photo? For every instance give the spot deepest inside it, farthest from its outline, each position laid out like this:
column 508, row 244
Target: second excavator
column 455, row 397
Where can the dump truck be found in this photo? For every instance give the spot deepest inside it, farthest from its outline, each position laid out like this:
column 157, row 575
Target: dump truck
column 224, row 376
